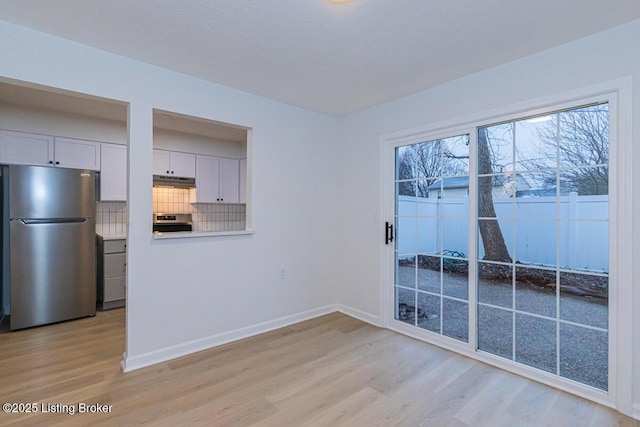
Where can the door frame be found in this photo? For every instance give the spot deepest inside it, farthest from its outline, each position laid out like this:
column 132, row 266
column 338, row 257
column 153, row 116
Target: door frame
column 618, row 94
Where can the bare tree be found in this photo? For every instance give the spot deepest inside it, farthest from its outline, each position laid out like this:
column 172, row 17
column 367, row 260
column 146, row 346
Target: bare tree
column 493, row 243
column 425, row 163
column 578, row 142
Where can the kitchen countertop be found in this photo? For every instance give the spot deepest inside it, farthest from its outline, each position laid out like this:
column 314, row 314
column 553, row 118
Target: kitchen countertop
column 192, row 234
column 112, row 236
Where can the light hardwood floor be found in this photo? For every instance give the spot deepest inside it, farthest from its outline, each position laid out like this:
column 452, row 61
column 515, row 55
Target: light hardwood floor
column 330, row 371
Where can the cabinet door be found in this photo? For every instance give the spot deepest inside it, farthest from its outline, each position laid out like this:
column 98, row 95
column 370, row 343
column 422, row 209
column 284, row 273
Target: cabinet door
column 229, row 180
column 114, row 289
column 207, row 179
column 115, row 265
column 161, row 162
column 77, row 154
column 21, row 148
column 243, row 181
column 113, row 172
column 183, row 164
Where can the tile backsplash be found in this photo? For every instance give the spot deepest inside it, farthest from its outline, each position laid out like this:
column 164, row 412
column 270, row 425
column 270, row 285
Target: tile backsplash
column 171, row 200
column 111, row 217
column 218, row 217
column 206, row 216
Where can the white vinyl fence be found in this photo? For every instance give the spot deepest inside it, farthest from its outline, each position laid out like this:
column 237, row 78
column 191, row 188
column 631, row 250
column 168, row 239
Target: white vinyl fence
column 572, row 233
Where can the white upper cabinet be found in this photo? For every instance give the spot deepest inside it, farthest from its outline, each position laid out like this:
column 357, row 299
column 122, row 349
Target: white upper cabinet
column 229, row 180
column 174, row 163
column 207, row 179
column 77, row 153
column 243, row 181
column 217, row 180
column 22, row 148
column 161, row 162
column 113, row 172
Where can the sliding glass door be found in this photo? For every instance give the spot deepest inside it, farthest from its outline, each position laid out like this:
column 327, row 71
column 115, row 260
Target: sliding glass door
column 432, row 217
column 520, row 240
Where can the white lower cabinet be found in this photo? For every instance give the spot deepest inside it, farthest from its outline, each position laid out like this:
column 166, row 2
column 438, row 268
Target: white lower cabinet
column 112, row 271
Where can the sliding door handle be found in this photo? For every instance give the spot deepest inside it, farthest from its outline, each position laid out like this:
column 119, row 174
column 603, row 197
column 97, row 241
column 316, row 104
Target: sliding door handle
column 388, row 233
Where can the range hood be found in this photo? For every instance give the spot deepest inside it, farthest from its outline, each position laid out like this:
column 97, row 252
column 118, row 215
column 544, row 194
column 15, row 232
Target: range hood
column 173, row 181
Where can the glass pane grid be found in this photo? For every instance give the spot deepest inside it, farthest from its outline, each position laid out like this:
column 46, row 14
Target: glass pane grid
column 551, row 312
column 433, row 172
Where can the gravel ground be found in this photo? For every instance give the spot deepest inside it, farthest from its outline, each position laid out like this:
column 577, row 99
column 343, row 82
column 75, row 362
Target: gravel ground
column 583, row 351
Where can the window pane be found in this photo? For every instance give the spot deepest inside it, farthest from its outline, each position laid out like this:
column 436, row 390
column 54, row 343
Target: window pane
column 406, row 238
column 428, row 235
column 428, row 159
column 455, row 319
column 588, row 181
column 536, row 143
column 405, row 305
column 536, row 243
column 495, row 331
column 405, row 163
column 495, row 284
column 455, row 156
column 584, row 136
column 536, row 196
column 495, row 149
column 584, row 246
column 584, row 355
column 535, row 291
column 456, row 280
column 498, row 245
column 429, row 273
column 406, row 270
column 455, row 237
column 584, row 299
column 536, row 342
column 429, row 312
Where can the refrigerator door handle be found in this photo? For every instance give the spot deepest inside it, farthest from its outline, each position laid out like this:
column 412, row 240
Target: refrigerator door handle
column 53, row 220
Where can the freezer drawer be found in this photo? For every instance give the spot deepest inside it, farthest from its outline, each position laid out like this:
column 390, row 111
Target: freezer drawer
column 44, row 192
column 53, row 272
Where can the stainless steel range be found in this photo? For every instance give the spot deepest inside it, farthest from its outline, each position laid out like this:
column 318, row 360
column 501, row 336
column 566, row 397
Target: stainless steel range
column 169, row 223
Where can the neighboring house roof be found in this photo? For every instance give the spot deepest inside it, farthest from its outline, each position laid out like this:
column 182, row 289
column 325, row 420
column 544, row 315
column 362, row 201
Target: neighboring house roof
column 452, row 182
column 463, row 182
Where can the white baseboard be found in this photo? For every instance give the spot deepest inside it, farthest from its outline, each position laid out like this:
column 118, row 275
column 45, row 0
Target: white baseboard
column 636, row 411
column 359, row 314
column 182, row 349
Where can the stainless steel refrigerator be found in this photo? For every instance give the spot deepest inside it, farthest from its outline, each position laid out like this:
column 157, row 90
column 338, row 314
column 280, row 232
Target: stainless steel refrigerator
column 49, row 249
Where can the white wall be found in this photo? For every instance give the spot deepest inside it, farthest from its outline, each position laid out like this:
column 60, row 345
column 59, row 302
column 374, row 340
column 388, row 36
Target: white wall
column 49, row 122
column 589, row 61
column 184, row 293
column 179, row 141
column 314, row 180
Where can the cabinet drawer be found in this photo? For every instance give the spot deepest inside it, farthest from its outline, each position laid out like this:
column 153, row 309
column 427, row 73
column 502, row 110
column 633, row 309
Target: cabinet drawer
column 114, row 265
column 114, row 289
column 113, row 246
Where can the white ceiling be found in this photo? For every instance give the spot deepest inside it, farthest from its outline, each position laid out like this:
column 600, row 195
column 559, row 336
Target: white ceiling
column 326, row 57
